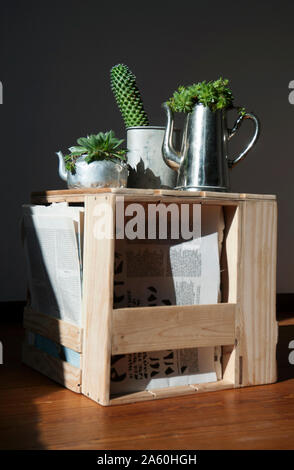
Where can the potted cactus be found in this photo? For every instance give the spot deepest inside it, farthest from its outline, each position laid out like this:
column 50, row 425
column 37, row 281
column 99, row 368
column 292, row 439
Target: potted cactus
column 144, row 142
column 97, row 161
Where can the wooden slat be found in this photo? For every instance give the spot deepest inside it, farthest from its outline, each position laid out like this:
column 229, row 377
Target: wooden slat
column 56, row 369
column 256, row 318
column 97, row 300
column 230, row 278
column 231, row 253
column 171, row 392
column 61, row 332
column 172, row 327
column 79, row 195
column 171, row 199
column 200, row 194
column 229, row 363
column 258, row 197
column 214, row 195
column 48, row 199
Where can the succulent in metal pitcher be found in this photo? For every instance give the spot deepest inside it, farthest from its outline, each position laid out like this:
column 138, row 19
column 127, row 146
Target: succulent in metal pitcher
column 213, row 94
column 127, row 96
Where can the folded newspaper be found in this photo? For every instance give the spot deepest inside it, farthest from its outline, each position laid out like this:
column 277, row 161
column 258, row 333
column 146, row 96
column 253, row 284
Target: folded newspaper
column 147, row 273
column 168, row 272
column 53, row 248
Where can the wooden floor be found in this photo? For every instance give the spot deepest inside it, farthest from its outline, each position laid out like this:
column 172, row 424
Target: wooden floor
column 35, row 413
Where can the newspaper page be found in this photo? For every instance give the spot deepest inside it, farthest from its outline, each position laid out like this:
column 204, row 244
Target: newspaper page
column 168, row 272
column 62, row 209
column 53, row 249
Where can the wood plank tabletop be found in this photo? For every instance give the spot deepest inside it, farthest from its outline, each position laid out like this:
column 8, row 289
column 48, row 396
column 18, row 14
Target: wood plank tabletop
column 78, row 195
column 36, row 413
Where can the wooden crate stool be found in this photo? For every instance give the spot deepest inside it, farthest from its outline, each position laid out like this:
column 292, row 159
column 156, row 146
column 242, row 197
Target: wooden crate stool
column 243, row 324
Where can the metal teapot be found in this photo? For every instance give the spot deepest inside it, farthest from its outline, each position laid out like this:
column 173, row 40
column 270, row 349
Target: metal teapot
column 203, row 163
column 98, row 174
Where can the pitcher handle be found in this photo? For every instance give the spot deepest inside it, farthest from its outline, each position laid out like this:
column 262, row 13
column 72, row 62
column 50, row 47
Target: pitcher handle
column 232, row 132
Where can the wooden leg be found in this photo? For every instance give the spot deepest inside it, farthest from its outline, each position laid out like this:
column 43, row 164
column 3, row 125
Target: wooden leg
column 256, row 317
column 230, row 282
column 98, row 297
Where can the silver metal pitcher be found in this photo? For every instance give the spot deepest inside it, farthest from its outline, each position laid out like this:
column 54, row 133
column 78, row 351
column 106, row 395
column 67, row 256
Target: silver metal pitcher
column 203, row 163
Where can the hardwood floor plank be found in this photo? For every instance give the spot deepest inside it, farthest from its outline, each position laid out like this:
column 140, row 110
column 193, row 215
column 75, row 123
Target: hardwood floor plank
column 36, row 413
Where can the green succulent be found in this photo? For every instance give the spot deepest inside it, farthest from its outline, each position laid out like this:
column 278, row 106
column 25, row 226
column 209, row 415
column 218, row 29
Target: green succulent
column 127, row 96
column 242, row 111
column 214, row 94
column 102, row 146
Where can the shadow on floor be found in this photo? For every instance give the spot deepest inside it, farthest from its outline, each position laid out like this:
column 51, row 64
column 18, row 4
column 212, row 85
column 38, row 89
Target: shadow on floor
column 19, row 389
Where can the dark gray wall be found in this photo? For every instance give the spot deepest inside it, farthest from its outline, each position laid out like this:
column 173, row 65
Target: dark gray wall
column 54, row 65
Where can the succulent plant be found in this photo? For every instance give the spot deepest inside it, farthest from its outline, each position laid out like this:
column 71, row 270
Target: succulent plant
column 127, row 95
column 214, row 94
column 102, row 146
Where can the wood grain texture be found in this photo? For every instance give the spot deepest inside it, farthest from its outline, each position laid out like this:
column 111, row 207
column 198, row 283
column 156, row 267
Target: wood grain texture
column 248, row 333
column 61, row 332
column 231, row 254
column 79, row 195
column 36, row 413
column 169, row 392
column 286, row 319
column 230, row 265
column 214, row 195
column 230, row 260
column 97, row 299
column 172, row 327
column 56, row 369
column 257, row 293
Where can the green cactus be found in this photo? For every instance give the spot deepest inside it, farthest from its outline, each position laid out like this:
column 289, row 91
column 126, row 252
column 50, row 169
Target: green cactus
column 127, row 95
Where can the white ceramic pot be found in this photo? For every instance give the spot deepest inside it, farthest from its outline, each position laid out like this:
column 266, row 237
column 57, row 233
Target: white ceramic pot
column 146, row 166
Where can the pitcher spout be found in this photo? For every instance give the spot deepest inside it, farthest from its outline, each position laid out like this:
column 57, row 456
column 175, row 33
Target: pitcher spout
column 170, row 156
column 61, row 169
